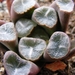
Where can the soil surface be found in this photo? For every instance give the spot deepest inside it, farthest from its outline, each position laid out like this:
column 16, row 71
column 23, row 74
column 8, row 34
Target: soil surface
column 69, row 70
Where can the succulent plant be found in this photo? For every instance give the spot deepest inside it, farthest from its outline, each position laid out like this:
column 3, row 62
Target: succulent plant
column 8, row 36
column 45, row 17
column 31, row 48
column 58, row 46
column 24, row 27
column 15, row 65
column 41, row 32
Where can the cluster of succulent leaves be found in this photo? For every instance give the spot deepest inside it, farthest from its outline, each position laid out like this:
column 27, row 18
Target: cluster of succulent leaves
column 33, row 36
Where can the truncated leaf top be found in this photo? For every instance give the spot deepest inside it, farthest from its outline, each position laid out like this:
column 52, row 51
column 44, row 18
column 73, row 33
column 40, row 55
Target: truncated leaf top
column 14, row 65
column 59, row 45
column 24, row 27
column 31, row 48
column 65, row 5
column 7, row 32
column 22, row 6
column 45, row 16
